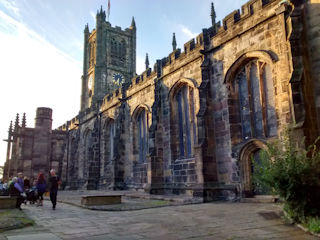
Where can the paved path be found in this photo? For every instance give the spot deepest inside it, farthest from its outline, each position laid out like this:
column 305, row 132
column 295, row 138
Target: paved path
column 198, row 221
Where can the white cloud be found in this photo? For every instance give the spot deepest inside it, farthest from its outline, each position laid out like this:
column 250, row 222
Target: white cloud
column 141, row 66
column 188, row 32
column 34, row 73
column 93, row 15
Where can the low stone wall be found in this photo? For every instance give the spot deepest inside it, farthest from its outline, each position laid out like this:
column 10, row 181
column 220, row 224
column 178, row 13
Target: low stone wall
column 7, row 202
column 100, row 200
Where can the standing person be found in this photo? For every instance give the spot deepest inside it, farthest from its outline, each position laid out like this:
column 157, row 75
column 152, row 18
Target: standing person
column 41, row 188
column 54, row 182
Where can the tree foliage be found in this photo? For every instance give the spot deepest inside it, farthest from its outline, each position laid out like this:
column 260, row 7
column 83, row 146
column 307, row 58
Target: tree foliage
column 293, row 174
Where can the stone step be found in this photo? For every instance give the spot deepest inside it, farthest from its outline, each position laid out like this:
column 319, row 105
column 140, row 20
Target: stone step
column 261, row 199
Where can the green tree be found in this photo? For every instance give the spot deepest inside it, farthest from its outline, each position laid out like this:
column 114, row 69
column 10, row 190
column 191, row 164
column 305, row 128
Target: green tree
column 293, row 174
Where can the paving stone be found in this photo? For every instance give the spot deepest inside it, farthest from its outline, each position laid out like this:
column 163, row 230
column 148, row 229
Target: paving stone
column 37, row 236
column 197, row 221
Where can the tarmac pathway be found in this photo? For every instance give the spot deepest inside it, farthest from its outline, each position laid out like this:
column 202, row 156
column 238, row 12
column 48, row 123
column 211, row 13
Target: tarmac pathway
column 197, row 221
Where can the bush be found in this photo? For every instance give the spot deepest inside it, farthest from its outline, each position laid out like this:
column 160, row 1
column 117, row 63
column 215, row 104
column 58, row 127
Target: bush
column 313, row 224
column 293, row 174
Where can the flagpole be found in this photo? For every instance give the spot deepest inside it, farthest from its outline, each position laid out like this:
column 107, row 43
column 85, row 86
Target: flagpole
column 108, row 9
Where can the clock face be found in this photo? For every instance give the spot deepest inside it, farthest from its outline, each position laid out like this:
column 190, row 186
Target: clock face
column 118, row 79
column 90, row 82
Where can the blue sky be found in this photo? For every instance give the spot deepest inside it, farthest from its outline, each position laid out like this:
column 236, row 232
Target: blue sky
column 41, row 47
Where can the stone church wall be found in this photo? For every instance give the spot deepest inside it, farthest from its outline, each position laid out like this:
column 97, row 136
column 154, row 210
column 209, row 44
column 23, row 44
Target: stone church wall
column 310, row 35
column 257, row 35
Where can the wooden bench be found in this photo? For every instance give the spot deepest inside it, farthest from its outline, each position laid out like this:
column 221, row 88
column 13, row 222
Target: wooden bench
column 7, row 202
column 98, row 200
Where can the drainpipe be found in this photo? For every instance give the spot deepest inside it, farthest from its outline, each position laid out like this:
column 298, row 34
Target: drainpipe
column 99, row 144
column 68, row 142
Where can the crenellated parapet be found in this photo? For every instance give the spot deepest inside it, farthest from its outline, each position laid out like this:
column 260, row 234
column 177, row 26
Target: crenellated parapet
column 175, row 60
column 111, row 100
column 250, row 8
column 234, row 24
column 69, row 125
column 141, row 79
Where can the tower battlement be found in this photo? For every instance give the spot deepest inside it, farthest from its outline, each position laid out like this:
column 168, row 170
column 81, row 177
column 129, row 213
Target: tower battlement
column 115, row 29
column 44, row 118
column 109, row 53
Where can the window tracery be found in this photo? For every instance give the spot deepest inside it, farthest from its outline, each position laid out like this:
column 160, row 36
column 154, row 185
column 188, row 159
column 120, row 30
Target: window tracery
column 184, row 120
column 256, row 100
column 142, row 134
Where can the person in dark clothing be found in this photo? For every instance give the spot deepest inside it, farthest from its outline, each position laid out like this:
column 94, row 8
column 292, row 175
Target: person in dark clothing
column 41, row 188
column 16, row 190
column 54, row 182
column 26, row 183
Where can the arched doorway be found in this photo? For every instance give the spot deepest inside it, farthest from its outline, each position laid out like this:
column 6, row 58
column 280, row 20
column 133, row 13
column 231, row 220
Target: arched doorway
column 249, row 153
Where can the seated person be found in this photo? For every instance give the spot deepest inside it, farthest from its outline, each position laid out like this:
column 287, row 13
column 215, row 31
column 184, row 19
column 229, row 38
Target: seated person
column 5, row 188
column 16, row 190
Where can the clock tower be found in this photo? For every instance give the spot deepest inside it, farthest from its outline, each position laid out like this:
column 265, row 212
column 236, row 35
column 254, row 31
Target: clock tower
column 109, row 60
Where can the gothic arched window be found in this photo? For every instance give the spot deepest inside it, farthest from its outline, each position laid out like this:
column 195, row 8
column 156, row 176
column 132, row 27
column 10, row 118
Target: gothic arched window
column 109, row 140
column 184, row 120
column 142, row 134
column 86, row 154
column 256, row 100
column 113, row 48
column 92, row 52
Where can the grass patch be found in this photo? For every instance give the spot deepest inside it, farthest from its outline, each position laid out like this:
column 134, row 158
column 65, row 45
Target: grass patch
column 312, row 224
column 13, row 219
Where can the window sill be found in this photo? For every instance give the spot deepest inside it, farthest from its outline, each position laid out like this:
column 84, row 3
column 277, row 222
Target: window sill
column 186, row 159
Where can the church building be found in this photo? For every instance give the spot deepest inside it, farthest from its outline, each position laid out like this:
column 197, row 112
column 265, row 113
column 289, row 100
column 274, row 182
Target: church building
column 192, row 123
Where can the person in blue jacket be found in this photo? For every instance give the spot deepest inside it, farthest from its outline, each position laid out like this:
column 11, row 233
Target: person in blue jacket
column 15, row 189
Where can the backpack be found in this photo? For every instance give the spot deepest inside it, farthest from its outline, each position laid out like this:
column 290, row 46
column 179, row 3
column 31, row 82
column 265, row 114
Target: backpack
column 41, row 186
